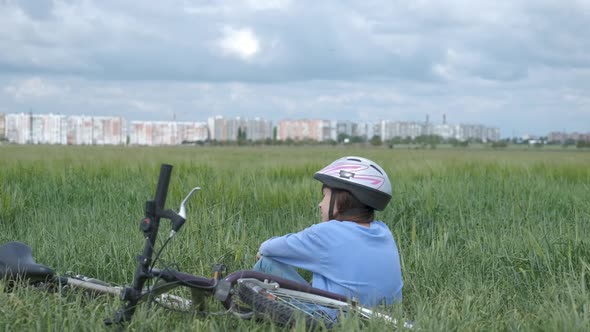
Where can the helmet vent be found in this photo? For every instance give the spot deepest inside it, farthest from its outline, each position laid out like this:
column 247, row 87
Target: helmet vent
column 354, row 159
column 376, row 169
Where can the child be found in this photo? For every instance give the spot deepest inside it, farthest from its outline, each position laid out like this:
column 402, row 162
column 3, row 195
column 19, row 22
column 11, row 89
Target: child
column 349, row 253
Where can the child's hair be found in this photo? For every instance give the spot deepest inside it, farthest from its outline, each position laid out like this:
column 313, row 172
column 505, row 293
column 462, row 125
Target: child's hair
column 349, row 207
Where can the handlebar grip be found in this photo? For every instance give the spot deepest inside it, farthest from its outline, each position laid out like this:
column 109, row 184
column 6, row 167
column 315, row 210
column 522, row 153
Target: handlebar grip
column 162, row 188
column 177, row 220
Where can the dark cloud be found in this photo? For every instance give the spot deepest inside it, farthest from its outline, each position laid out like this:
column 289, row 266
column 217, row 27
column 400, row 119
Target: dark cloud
column 36, row 9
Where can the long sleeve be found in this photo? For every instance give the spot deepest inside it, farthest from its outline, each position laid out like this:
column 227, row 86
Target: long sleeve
column 302, row 249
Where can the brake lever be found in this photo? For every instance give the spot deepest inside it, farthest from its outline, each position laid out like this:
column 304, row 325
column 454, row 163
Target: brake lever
column 182, row 209
column 179, row 218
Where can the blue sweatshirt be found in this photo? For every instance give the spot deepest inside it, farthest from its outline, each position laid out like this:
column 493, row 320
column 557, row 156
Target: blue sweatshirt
column 345, row 258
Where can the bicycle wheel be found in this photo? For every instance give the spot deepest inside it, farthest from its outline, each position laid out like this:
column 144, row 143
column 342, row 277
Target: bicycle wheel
column 283, row 306
column 265, row 303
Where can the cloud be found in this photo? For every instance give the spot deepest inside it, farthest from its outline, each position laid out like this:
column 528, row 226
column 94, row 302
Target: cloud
column 36, row 9
column 292, row 41
column 268, row 4
column 147, row 107
column 240, row 42
column 34, row 88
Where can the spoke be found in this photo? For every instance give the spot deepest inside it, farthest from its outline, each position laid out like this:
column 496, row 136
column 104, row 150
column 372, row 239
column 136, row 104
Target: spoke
column 304, row 305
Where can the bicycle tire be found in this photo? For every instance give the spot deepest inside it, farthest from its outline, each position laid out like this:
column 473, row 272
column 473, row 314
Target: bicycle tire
column 268, row 306
column 285, row 304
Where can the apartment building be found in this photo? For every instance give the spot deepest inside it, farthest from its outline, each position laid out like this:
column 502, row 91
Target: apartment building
column 227, row 129
column 467, row 131
column 390, row 129
column 298, row 130
column 100, row 130
column 166, row 132
column 562, row 137
column 28, row 128
column 223, row 129
column 258, row 129
column 192, row 132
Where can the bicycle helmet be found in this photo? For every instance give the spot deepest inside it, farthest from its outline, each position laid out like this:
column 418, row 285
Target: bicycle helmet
column 363, row 178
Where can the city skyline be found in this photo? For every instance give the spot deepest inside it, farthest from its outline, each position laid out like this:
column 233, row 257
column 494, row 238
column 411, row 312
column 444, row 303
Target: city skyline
column 29, row 128
column 521, row 66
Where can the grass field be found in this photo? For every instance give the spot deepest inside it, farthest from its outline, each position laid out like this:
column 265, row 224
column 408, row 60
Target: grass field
column 490, row 240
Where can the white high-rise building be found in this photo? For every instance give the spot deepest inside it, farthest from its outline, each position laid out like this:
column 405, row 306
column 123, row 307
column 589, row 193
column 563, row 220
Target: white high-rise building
column 299, row 130
column 391, row 129
column 166, row 132
column 365, row 130
column 28, row 128
column 226, row 129
column 223, row 129
column 18, row 128
column 100, row 130
column 80, row 130
column 258, row 129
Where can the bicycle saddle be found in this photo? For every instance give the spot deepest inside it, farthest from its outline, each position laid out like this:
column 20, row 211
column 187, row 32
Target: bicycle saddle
column 17, row 262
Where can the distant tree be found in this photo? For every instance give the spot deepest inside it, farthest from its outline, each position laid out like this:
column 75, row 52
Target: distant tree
column 499, row 144
column 331, row 142
column 476, row 140
column 457, row 143
column 242, row 139
column 399, row 140
column 428, row 139
column 391, row 143
column 342, row 138
column 376, row 140
column 358, row 139
column 569, row 141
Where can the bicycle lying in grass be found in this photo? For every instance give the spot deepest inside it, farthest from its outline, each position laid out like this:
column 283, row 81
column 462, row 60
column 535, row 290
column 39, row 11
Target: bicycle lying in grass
column 246, row 294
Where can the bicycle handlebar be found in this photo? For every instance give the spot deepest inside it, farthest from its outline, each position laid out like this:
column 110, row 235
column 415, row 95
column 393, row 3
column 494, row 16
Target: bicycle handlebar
column 162, row 188
column 154, row 210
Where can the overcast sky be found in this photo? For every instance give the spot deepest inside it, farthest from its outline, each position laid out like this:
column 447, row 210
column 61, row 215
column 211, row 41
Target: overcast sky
column 522, row 66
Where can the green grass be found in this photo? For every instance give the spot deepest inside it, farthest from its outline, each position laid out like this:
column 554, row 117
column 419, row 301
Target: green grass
column 490, row 240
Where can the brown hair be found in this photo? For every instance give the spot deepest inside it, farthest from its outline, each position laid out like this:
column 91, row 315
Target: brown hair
column 349, row 207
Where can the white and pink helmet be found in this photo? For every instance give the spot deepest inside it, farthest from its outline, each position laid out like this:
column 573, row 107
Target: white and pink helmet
column 365, row 180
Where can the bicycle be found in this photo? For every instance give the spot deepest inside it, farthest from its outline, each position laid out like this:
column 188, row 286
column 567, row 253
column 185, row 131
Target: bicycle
column 246, row 294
